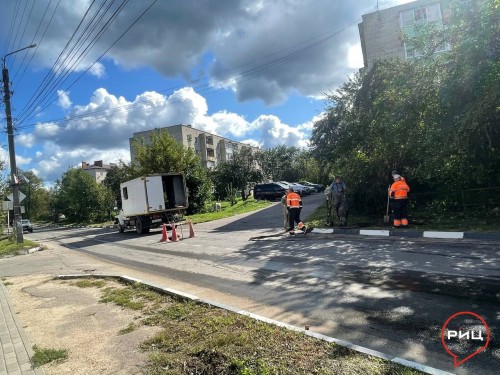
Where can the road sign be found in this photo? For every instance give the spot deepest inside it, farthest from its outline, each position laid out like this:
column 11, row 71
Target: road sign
column 10, row 197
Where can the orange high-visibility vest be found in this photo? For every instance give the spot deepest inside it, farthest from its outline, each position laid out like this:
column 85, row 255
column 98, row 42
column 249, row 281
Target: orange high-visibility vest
column 293, row 200
column 400, row 189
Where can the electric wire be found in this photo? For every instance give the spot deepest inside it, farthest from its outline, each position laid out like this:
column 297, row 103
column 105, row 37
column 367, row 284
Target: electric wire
column 97, row 60
column 25, row 52
column 11, row 28
column 43, row 35
column 52, row 72
column 14, row 57
column 62, row 77
column 207, row 87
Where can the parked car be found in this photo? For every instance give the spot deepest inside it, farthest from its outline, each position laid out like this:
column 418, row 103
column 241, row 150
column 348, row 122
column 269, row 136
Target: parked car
column 270, row 191
column 300, row 189
column 27, row 225
column 317, row 187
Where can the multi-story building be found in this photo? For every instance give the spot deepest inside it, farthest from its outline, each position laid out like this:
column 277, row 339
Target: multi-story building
column 98, row 170
column 211, row 148
column 382, row 31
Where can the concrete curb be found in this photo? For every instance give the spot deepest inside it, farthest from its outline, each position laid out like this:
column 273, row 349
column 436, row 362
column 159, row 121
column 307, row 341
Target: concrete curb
column 408, row 233
column 186, row 296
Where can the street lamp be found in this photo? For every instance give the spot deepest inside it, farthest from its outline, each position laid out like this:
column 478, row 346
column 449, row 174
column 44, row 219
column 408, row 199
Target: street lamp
column 12, row 154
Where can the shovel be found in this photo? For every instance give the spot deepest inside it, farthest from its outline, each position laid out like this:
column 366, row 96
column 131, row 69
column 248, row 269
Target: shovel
column 386, row 216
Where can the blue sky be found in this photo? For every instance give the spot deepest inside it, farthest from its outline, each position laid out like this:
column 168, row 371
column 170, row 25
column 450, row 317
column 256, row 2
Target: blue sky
column 250, row 70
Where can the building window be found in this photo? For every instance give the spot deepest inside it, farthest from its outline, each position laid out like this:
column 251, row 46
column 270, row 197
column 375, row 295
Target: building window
column 210, row 152
column 229, row 150
column 409, row 21
column 210, row 140
column 210, row 164
column 431, row 13
column 125, row 193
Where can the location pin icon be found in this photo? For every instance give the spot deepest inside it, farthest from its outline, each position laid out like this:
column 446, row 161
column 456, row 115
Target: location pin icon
column 477, row 343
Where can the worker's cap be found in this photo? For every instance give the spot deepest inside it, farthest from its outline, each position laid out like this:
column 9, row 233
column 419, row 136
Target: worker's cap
column 396, row 177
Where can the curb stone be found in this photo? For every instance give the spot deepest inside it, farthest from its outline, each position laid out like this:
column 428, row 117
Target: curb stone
column 186, row 296
column 487, row 236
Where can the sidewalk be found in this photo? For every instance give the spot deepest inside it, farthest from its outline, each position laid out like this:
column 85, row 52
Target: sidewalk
column 16, row 350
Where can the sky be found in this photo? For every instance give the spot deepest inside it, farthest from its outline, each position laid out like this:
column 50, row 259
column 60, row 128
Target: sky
column 255, row 71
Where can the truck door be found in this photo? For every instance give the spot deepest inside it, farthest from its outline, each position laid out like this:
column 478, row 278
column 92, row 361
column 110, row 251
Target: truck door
column 154, row 192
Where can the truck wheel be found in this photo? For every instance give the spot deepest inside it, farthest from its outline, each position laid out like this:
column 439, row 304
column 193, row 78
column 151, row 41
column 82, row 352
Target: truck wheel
column 139, row 226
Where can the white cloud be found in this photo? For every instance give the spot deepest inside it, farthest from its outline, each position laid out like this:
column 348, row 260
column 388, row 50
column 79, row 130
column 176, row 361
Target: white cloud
column 266, row 49
column 64, row 100
column 21, row 160
column 102, row 129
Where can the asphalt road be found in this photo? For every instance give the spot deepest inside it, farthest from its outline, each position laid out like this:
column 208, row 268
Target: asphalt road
column 387, row 294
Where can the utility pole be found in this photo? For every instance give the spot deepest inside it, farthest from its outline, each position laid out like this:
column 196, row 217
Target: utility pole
column 18, row 228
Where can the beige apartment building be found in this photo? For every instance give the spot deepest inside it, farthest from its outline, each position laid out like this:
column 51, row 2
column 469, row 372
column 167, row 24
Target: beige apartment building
column 211, row 148
column 381, row 32
column 98, row 170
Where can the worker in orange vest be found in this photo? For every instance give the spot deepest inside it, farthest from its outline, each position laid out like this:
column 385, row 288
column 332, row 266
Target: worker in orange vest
column 294, row 206
column 399, row 193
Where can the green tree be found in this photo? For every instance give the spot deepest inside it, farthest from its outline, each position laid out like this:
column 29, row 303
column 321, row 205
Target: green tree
column 163, row 155
column 36, row 202
column 239, row 173
column 79, row 196
column 116, row 176
column 433, row 118
column 281, row 163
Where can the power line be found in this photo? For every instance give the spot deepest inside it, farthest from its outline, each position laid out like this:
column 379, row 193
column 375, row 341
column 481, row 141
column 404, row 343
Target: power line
column 43, row 35
column 250, row 73
column 11, row 28
column 95, row 62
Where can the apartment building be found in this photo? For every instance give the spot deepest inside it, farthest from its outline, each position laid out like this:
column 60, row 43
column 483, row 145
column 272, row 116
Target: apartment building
column 211, row 148
column 382, row 31
column 98, row 170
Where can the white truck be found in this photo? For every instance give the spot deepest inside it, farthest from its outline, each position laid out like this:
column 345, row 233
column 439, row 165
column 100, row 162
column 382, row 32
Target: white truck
column 151, row 201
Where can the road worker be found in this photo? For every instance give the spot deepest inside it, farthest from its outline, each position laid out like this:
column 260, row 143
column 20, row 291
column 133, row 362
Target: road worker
column 294, row 206
column 338, row 200
column 399, row 193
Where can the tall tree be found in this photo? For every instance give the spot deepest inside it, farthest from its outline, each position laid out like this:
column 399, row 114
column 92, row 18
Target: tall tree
column 79, row 196
column 239, row 172
column 35, row 203
column 163, row 155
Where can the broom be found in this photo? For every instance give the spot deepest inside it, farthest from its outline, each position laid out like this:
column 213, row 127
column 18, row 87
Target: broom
column 386, row 216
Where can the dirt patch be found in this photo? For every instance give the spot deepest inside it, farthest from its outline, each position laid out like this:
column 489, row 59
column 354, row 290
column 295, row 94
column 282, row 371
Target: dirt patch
column 58, row 314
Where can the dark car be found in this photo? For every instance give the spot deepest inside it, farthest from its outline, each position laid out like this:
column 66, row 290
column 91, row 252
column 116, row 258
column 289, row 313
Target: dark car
column 27, row 225
column 270, row 191
column 317, row 187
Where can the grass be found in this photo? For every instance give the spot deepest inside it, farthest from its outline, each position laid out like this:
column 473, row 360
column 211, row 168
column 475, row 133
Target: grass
column 9, row 247
column 89, row 283
column 130, row 328
column 44, row 356
column 227, row 210
column 201, row 339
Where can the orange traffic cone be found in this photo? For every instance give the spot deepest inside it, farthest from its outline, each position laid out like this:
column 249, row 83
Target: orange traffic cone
column 164, row 234
column 174, row 234
column 191, row 230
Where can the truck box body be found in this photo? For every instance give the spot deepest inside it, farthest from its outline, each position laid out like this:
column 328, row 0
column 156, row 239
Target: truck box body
column 154, row 194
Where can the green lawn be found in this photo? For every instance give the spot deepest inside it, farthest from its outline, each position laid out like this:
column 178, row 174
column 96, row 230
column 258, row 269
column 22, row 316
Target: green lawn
column 227, row 210
column 9, row 247
column 193, row 338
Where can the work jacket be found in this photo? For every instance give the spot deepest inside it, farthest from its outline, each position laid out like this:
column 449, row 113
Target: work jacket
column 400, row 189
column 293, row 200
